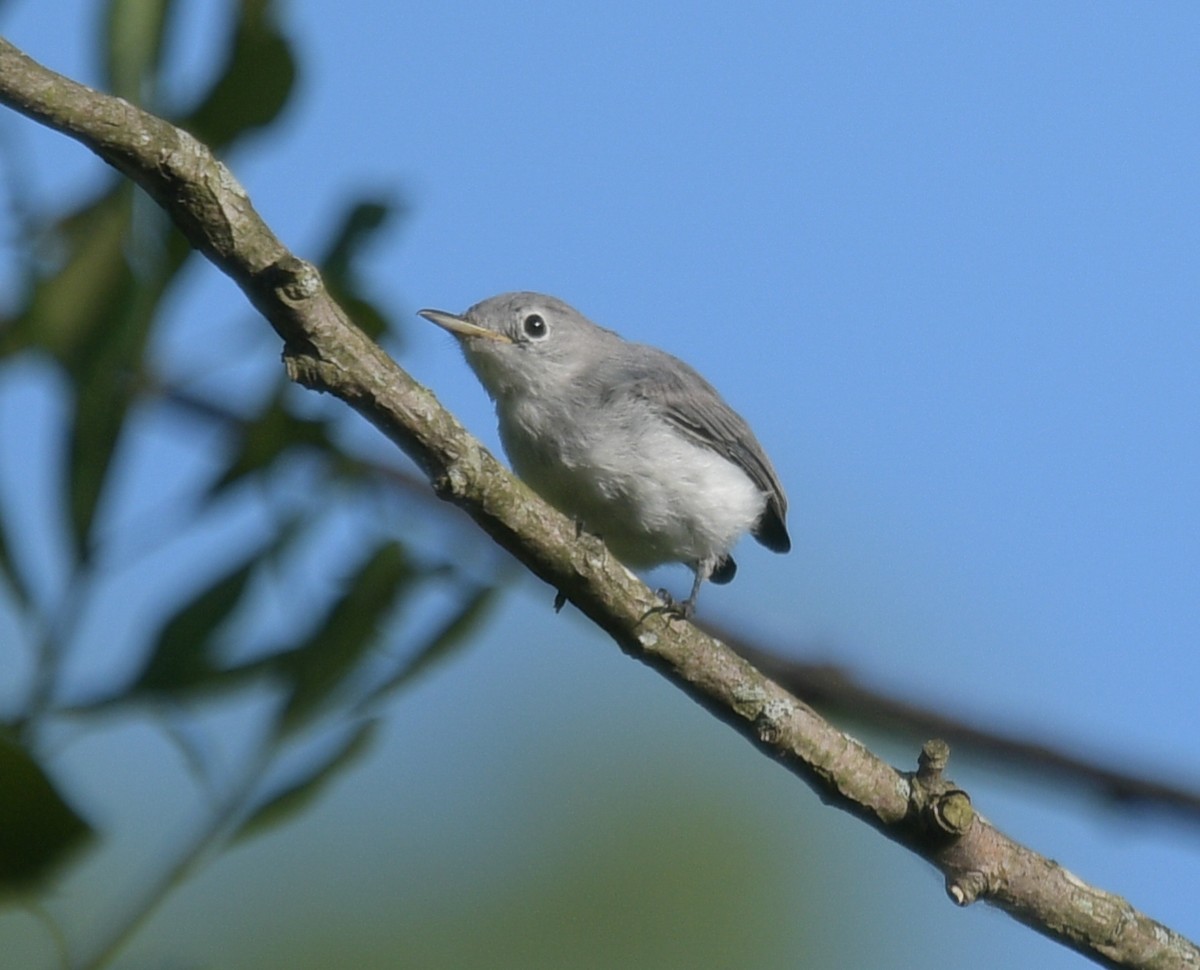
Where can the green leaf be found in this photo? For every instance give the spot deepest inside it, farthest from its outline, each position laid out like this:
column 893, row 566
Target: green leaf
column 69, row 304
column 38, row 829
column 360, row 224
column 10, row 572
column 88, row 288
column 108, row 378
column 181, row 659
column 362, row 221
column 134, row 31
column 445, row 640
column 366, row 314
column 102, row 398
column 254, row 85
column 351, row 627
column 94, row 315
column 299, row 792
column 261, row 441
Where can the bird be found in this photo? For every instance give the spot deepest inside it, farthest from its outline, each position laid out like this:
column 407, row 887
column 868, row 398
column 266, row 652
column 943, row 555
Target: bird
column 626, row 439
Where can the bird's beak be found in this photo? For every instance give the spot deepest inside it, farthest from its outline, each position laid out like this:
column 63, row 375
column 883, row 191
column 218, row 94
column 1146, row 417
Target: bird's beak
column 460, row 327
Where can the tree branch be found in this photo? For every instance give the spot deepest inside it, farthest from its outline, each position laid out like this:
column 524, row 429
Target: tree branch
column 325, row 352
column 835, row 689
column 832, row 689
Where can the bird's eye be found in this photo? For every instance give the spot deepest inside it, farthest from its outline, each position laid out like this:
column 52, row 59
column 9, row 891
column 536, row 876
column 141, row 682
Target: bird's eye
column 534, row 326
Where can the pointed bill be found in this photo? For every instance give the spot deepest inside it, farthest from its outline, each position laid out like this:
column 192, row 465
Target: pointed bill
column 461, row 327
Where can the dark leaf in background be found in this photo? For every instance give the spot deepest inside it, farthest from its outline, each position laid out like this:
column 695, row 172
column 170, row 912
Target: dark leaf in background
column 318, row 666
column 89, row 278
column 451, row 635
column 260, row 442
column 134, row 32
column 182, row 656
column 12, row 581
column 254, row 84
column 362, row 220
column 90, row 316
column 102, row 399
column 298, row 792
column 366, row 315
column 360, row 224
column 94, row 313
column 38, row 829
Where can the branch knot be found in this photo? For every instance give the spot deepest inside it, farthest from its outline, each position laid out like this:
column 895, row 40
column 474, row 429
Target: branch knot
column 943, row 810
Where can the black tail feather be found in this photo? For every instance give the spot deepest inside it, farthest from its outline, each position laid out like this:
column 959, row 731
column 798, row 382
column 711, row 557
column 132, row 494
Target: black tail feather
column 723, row 571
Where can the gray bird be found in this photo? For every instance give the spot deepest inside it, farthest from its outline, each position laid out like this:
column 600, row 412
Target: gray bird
column 629, row 441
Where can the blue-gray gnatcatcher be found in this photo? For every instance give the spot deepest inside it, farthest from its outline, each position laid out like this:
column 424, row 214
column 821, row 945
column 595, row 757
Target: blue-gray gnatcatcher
column 630, row 441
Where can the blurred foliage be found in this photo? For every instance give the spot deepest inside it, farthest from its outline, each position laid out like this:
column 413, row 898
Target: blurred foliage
column 91, row 303
column 37, row 827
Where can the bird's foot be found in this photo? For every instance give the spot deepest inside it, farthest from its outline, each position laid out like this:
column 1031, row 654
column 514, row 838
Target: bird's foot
column 680, row 608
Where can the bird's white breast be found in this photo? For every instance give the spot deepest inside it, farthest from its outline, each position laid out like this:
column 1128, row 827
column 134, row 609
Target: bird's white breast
column 651, row 493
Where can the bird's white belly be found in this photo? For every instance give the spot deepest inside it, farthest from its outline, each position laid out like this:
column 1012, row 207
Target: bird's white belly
column 653, row 495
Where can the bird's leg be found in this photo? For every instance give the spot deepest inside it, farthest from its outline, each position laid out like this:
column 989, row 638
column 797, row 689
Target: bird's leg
column 687, row 607
column 581, row 530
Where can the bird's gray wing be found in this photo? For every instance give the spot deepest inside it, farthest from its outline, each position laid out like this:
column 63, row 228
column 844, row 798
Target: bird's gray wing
column 693, row 406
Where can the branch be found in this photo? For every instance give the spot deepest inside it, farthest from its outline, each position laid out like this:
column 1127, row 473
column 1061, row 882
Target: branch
column 830, row 688
column 324, row 351
column 833, row 688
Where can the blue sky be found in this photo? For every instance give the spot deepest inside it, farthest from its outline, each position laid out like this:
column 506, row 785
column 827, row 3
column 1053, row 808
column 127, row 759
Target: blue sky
column 943, row 257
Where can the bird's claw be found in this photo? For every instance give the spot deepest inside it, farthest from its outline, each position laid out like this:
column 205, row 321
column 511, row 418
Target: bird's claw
column 681, row 608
